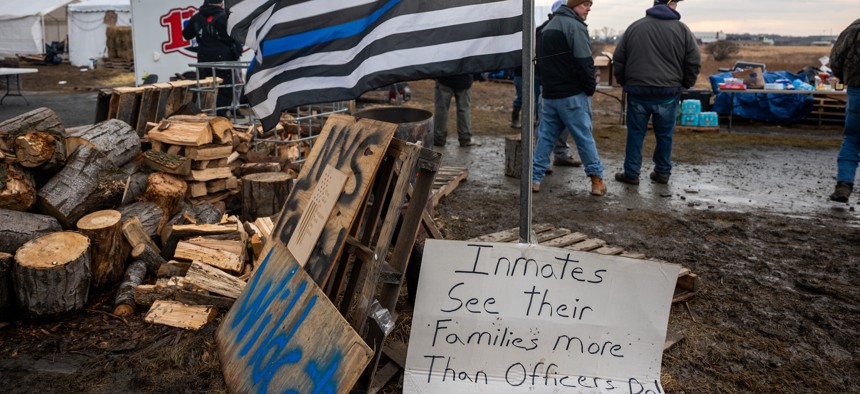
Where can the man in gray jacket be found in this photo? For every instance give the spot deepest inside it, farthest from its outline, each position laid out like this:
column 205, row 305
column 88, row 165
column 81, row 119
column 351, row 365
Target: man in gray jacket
column 656, row 59
column 567, row 77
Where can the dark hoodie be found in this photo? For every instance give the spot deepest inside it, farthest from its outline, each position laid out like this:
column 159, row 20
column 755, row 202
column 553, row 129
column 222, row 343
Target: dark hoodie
column 564, row 56
column 845, row 56
column 657, row 56
column 209, row 27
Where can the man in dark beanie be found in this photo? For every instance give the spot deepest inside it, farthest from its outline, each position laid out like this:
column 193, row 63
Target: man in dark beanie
column 656, row 59
column 209, row 27
column 845, row 60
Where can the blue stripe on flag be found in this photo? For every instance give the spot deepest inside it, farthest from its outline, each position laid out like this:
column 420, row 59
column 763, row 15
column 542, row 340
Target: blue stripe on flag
column 326, row 34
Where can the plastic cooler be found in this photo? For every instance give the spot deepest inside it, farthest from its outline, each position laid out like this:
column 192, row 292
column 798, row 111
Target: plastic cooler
column 690, row 120
column 709, row 119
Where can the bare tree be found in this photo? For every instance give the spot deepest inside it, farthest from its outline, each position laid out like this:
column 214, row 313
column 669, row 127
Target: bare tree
column 722, row 49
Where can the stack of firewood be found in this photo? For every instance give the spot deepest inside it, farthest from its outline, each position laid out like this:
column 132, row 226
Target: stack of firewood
column 199, row 149
column 82, row 210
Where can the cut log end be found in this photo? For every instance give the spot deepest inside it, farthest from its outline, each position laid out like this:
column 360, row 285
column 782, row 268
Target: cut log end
column 99, row 220
column 124, row 310
column 52, row 250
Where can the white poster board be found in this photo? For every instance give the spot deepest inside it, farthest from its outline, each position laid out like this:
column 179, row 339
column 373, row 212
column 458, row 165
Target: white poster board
column 159, row 48
column 515, row 318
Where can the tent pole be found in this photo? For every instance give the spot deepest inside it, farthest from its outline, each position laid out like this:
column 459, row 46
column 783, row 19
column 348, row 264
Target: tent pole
column 527, row 132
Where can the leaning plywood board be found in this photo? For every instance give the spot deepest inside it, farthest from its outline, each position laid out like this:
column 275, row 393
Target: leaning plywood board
column 283, row 334
column 177, row 314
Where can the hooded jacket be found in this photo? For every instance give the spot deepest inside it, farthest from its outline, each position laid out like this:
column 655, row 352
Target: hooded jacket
column 657, row 55
column 564, row 56
column 209, row 27
column 845, row 56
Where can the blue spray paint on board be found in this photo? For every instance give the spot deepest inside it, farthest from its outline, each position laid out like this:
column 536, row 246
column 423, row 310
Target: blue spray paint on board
column 268, row 347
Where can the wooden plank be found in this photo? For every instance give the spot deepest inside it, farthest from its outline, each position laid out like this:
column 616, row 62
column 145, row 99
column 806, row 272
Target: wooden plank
column 609, row 250
column 587, row 245
column 284, row 335
column 633, row 255
column 129, row 104
column 163, row 96
column 566, row 240
column 147, row 97
column 177, row 314
column 512, row 234
column 214, row 280
column 455, row 176
column 547, row 236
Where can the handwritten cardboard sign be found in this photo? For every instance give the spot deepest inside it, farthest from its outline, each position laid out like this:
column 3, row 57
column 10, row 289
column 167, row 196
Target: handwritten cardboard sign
column 509, row 318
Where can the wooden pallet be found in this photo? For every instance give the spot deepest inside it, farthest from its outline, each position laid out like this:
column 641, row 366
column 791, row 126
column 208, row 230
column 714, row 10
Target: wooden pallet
column 551, row 236
column 697, row 129
column 447, row 179
column 827, row 109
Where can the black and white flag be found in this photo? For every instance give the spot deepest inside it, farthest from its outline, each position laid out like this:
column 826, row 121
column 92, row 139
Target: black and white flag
column 317, row 51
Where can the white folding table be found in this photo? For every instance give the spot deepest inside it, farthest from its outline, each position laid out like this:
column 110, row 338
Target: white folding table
column 9, row 73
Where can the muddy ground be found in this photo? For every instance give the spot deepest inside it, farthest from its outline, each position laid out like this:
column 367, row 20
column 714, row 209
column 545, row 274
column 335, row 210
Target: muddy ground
column 778, row 309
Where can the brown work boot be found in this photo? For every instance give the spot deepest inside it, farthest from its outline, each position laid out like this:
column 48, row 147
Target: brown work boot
column 842, row 192
column 535, row 187
column 597, row 187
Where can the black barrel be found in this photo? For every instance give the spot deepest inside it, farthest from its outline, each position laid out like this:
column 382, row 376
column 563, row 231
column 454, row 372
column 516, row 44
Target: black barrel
column 413, row 124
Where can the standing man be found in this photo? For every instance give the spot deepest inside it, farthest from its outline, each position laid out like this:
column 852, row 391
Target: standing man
column 845, row 63
column 656, row 59
column 209, row 27
column 460, row 88
column 568, row 82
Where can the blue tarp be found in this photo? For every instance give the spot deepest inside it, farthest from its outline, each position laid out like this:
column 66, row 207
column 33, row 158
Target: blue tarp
column 776, row 108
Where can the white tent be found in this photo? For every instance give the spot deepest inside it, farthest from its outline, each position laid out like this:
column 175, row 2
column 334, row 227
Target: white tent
column 88, row 27
column 26, row 25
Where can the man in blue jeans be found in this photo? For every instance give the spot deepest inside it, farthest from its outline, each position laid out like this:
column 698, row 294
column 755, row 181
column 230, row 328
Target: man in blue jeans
column 656, row 59
column 568, row 82
column 845, row 62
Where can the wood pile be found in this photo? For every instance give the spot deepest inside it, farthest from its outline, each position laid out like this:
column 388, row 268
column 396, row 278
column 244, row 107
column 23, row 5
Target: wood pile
column 96, row 207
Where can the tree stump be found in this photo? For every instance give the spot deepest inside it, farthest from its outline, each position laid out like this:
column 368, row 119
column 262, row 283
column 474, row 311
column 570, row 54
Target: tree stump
column 86, row 184
column 513, row 156
column 114, row 138
column 52, row 274
column 124, row 302
column 40, row 119
column 16, row 228
column 107, row 249
column 167, row 192
column 264, row 194
column 42, row 150
column 17, row 188
column 6, row 262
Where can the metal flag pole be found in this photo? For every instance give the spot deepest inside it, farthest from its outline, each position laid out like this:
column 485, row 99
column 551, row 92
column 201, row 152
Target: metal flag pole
column 526, row 235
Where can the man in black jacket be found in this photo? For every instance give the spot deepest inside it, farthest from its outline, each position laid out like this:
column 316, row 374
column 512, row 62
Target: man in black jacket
column 568, row 82
column 209, row 27
column 656, row 58
column 845, row 60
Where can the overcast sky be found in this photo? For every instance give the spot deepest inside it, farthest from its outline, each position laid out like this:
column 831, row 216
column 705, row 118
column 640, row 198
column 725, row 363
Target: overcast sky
column 784, row 17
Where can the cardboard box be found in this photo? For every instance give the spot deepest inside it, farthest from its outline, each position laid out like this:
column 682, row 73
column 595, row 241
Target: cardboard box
column 752, row 77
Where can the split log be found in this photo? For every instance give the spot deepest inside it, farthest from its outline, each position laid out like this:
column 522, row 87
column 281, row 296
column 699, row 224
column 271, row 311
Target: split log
column 207, row 254
column 185, row 133
column 256, row 168
column 40, row 119
column 17, row 188
column 6, row 262
column 195, row 298
column 87, row 183
column 167, row 192
column 264, row 194
column 113, row 138
column 146, row 295
column 40, row 149
column 52, row 274
column 214, row 280
column 167, row 162
column 135, row 185
column 107, row 250
column 124, row 302
column 135, row 234
column 145, row 253
column 222, row 130
column 173, row 268
column 149, row 214
column 16, row 228
column 177, row 314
